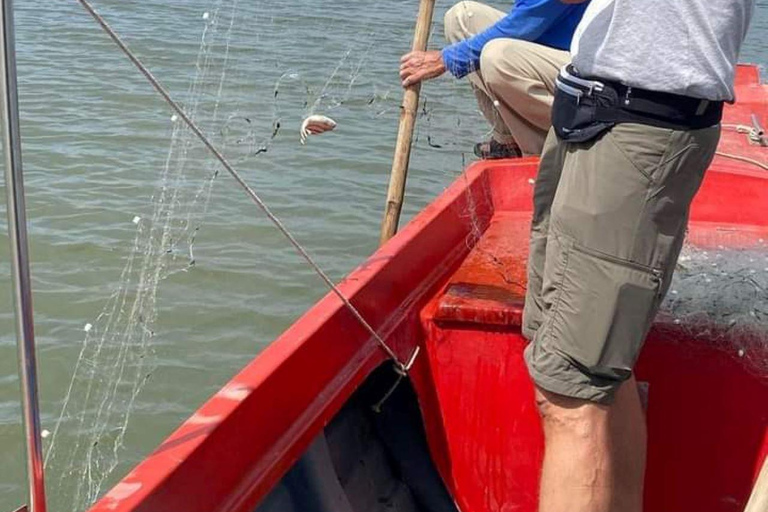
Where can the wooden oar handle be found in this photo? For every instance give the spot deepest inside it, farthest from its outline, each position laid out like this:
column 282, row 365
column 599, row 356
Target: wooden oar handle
column 408, row 111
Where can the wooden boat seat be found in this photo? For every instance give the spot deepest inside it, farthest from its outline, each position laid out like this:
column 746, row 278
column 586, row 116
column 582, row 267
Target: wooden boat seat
column 489, row 286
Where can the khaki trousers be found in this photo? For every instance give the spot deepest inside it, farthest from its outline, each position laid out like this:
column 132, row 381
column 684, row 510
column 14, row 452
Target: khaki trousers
column 609, row 221
column 515, row 84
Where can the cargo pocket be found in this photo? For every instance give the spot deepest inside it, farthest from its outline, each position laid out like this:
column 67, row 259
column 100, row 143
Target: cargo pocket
column 605, row 309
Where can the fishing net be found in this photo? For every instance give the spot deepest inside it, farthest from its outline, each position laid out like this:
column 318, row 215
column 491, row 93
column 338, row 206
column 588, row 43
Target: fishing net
column 719, row 297
column 256, row 74
column 115, row 359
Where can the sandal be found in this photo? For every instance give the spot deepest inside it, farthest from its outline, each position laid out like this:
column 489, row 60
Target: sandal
column 492, row 150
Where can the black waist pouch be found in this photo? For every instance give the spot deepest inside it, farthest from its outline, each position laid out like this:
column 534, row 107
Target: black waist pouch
column 583, row 109
column 575, row 112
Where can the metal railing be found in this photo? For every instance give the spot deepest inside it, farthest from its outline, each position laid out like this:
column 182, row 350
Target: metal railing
column 17, row 238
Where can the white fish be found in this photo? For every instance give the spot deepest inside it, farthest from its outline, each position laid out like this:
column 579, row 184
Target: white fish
column 314, row 125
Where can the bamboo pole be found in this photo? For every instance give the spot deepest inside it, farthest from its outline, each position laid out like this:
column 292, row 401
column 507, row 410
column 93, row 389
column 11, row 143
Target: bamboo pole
column 758, row 502
column 408, row 111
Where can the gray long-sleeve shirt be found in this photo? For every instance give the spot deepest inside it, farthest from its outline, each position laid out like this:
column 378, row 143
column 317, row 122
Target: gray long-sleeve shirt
column 688, row 47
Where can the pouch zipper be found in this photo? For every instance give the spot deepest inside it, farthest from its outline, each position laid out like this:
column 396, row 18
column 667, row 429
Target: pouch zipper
column 578, row 93
column 589, row 84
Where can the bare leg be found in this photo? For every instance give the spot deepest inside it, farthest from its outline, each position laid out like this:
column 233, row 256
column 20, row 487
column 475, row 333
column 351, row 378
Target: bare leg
column 595, row 454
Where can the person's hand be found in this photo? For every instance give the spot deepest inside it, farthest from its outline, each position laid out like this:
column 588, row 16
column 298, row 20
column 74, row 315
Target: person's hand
column 416, row 67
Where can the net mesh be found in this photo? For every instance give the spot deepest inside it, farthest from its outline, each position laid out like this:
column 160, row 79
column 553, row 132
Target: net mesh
column 115, row 359
column 720, row 297
column 251, row 84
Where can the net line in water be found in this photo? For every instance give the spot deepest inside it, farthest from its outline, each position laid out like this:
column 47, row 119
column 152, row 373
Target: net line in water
column 115, row 360
column 113, row 364
column 402, row 367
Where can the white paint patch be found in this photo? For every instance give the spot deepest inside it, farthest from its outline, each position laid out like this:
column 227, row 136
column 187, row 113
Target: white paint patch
column 741, row 352
column 88, row 327
column 120, row 492
column 496, row 103
column 202, row 419
column 45, row 434
column 531, row 181
column 235, row 392
column 206, row 15
column 174, row 118
column 136, row 219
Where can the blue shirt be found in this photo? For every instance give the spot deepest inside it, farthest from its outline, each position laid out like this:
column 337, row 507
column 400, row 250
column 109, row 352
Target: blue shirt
column 546, row 22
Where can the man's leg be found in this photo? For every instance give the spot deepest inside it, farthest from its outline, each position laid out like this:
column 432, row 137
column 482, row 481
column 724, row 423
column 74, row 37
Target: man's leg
column 595, row 454
column 520, row 77
column 462, row 21
column 614, row 235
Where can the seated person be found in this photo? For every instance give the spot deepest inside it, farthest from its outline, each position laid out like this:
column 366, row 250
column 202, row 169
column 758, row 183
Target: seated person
column 511, row 61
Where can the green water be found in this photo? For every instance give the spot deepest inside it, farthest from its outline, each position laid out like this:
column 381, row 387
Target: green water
column 96, row 140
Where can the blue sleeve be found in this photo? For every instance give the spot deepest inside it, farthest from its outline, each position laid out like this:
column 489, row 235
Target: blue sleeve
column 528, row 20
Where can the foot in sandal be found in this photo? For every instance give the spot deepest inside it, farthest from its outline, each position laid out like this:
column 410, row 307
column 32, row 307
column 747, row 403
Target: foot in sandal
column 492, row 150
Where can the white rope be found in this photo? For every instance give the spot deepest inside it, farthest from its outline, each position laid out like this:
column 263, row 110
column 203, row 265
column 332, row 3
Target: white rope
column 402, row 367
column 754, row 135
column 740, row 158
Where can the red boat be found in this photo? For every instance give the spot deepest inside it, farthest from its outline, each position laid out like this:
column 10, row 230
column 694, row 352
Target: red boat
column 312, row 423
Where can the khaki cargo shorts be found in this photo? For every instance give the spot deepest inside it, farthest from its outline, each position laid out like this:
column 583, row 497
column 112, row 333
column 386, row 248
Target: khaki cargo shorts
column 609, row 221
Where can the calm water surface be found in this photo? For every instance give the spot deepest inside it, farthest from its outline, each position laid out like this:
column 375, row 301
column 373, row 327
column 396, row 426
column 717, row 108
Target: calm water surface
column 96, row 143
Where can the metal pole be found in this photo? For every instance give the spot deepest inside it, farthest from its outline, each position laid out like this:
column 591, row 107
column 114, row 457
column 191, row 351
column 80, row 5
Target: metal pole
column 17, row 236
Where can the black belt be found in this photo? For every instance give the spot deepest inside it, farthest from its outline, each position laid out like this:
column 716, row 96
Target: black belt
column 585, row 107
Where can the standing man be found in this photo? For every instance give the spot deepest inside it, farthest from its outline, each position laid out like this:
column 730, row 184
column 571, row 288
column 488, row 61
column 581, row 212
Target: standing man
column 511, row 60
column 636, row 121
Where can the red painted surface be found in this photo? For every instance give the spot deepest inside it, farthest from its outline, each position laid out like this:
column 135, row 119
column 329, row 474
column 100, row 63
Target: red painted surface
column 489, row 287
column 452, row 282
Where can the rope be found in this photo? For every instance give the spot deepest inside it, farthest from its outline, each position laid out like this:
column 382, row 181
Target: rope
column 401, row 367
column 743, row 159
column 755, row 135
